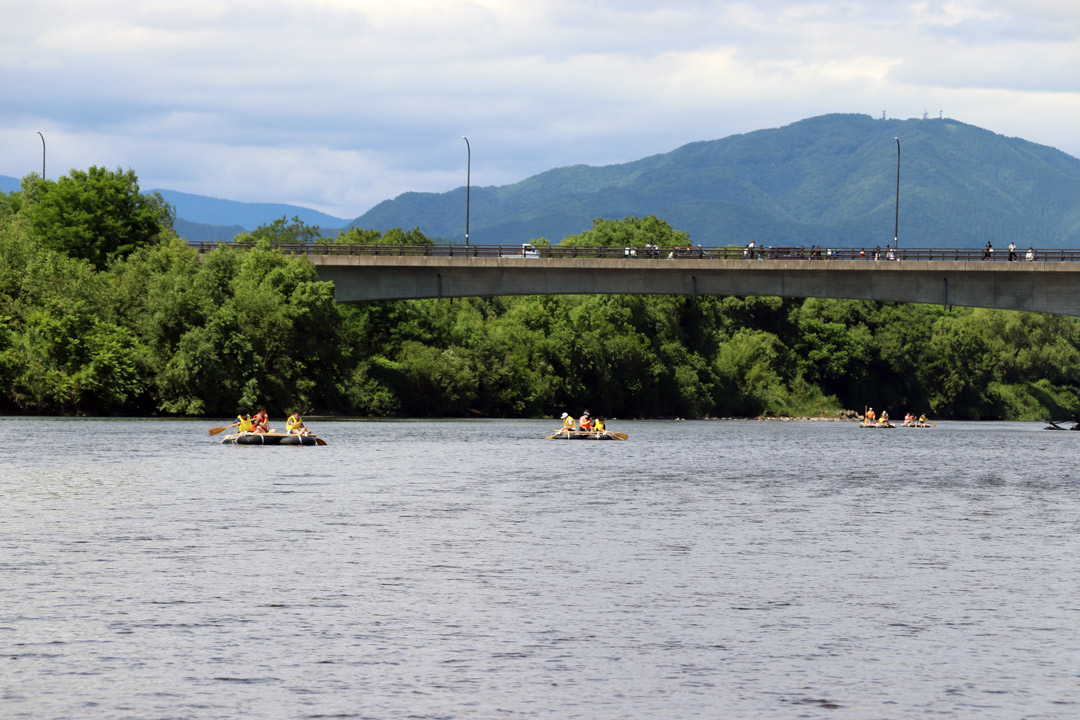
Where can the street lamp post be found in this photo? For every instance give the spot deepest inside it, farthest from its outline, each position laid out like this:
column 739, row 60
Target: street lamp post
column 42, row 155
column 468, row 180
column 896, row 226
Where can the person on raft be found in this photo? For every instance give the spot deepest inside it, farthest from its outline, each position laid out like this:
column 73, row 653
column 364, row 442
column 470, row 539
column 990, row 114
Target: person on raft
column 599, row 426
column 260, row 422
column 585, row 422
column 242, row 424
column 294, row 425
column 567, row 422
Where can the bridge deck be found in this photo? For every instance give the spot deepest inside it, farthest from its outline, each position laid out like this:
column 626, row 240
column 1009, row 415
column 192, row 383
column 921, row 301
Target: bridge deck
column 1039, row 287
column 1047, row 284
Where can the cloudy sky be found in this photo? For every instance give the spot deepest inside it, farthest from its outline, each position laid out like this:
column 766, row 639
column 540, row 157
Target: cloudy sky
column 340, row 104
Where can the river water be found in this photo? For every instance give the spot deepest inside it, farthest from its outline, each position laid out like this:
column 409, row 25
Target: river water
column 475, row 570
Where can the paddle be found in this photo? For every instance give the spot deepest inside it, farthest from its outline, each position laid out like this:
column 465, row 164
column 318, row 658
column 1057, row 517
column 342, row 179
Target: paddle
column 319, row 440
column 621, row 436
column 215, row 431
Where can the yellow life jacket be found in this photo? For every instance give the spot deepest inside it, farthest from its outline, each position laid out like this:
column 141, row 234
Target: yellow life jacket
column 568, row 422
column 245, row 423
column 291, row 424
column 599, row 425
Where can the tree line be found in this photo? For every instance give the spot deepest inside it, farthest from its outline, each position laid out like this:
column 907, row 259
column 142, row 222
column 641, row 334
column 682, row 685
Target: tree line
column 105, row 311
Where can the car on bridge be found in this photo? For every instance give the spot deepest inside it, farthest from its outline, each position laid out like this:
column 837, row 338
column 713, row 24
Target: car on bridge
column 687, row 252
column 527, row 251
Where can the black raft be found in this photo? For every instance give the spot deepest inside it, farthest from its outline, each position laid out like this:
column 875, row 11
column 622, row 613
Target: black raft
column 269, row 439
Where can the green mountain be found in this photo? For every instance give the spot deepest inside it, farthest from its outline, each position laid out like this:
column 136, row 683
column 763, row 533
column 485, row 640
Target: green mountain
column 828, row 180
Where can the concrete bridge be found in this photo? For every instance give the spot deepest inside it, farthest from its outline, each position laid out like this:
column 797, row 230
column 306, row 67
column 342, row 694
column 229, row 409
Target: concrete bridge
column 1046, row 286
column 1044, row 281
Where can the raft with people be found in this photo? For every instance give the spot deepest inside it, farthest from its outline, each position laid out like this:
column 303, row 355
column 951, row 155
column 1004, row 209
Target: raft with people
column 870, row 420
column 585, row 429
column 917, row 422
column 255, row 430
column 566, row 434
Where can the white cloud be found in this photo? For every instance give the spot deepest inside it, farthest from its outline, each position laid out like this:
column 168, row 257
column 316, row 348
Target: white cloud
column 339, row 104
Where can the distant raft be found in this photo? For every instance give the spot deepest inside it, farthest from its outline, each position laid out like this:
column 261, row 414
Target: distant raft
column 565, row 434
column 872, row 425
column 248, row 438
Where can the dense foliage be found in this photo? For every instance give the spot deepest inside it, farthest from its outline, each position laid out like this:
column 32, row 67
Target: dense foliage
column 98, row 215
column 150, row 327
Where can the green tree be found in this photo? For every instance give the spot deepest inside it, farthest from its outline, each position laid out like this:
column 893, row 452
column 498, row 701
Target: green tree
column 958, row 367
column 270, row 336
column 282, row 231
column 393, row 236
column 358, row 236
column 97, row 215
column 754, row 368
column 629, row 232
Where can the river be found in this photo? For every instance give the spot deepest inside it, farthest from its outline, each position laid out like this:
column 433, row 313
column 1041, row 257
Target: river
column 472, row 569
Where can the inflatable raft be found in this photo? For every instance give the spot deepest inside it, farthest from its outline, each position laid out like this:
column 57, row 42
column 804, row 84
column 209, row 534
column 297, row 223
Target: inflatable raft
column 247, row 438
column 586, row 435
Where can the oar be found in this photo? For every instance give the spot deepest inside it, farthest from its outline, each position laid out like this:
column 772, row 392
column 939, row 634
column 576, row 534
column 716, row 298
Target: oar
column 621, row 436
column 215, row 431
column 318, row 440
column 555, row 434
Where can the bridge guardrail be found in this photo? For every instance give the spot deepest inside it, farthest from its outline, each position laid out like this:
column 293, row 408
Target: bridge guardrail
column 730, row 252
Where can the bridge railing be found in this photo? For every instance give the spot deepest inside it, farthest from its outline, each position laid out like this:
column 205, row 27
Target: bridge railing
column 730, row 252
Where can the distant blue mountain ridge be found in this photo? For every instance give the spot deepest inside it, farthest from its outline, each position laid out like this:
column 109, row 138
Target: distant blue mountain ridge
column 204, row 218
column 215, row 211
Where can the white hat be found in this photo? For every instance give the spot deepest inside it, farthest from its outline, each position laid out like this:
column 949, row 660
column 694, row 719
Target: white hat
column 564, row 414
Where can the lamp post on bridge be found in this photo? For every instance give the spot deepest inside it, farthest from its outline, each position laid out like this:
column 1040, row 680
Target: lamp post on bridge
column 468, row 178
column 42, row 154
column 896, row 226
